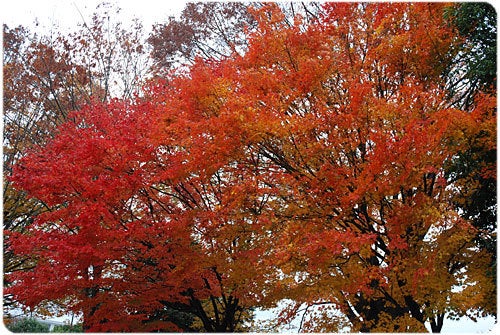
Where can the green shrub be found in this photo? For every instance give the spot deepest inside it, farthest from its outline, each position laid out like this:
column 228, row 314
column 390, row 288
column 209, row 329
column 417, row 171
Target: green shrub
column 68, row 329
column 27, row 325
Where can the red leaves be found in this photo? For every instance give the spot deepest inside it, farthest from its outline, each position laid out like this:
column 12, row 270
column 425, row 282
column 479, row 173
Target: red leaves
column 312, row 166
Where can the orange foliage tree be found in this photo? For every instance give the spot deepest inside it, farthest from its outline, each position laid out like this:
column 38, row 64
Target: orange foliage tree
column 311, row 168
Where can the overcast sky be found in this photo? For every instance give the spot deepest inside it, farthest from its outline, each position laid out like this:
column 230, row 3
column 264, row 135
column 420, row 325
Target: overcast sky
column 66, row 13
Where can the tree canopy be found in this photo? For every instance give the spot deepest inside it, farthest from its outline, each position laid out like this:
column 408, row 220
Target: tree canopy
column 314, row 167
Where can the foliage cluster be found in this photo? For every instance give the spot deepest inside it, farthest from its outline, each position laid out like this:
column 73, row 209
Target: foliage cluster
column 331, row 157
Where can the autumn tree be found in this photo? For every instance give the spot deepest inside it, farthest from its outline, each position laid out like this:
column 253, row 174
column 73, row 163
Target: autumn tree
column 315, row 116
column 311, row 168
column 204, row 29
column 364, row 129
column 17, row 209
column 33, row 105
column 213, row 30
column 46, row 76
column 146, row 217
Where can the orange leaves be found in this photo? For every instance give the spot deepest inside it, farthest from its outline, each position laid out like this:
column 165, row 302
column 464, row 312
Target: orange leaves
column 311, row 168
column 403, row 39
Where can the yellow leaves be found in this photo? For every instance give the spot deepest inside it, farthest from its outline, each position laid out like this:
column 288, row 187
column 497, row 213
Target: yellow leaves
column 365, row 251
column 403, row 324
